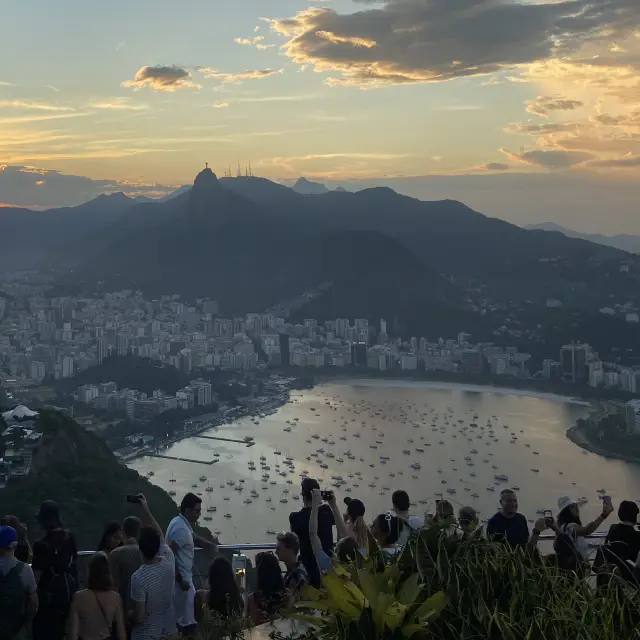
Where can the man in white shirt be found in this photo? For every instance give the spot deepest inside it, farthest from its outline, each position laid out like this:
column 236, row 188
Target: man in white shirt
column 182, row 541
column 401, row 503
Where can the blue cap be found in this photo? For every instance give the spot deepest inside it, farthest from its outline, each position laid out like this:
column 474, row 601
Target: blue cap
column 8, row 538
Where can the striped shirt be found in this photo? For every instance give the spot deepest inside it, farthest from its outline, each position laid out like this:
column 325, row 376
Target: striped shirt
column 153, row 584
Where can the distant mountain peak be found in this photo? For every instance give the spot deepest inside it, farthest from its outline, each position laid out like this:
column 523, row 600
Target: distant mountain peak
column 308, row 187
column 205, row 178
column 113, row 197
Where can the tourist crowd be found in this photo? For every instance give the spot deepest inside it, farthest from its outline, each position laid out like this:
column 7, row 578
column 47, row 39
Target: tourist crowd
column 140, row 583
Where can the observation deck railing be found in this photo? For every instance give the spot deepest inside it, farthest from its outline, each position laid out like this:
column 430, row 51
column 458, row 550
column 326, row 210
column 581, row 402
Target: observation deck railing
column 244, row 570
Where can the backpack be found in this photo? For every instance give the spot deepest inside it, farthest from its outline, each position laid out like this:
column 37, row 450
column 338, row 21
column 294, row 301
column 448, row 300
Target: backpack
column 57, row 589
column 13, row 600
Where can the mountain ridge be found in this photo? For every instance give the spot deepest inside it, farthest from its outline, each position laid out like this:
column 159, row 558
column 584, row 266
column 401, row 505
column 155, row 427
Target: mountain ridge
column 623, row 241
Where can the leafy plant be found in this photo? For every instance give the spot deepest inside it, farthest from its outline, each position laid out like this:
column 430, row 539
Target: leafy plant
column 361, row 603
column 453, row 589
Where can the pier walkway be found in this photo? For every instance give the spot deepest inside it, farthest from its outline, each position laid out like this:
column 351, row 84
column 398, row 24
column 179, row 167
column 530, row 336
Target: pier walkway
column 160, row 455
column 249, row 443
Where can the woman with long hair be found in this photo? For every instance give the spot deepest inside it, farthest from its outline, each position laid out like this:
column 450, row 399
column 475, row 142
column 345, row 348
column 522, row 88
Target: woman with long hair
column 358, row 528
column 222, row 598
column 571, row 546
column 96, row 612
column 111, row 537
column 267, row 600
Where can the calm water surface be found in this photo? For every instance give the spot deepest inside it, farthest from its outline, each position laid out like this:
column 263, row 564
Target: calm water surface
column 361, row 414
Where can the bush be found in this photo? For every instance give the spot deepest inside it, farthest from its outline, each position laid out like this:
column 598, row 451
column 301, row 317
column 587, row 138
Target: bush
column 472, row 589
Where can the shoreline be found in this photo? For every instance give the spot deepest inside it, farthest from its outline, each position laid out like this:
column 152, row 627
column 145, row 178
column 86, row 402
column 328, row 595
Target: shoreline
column 267, row 408
column 479, row 387
column 579, row 438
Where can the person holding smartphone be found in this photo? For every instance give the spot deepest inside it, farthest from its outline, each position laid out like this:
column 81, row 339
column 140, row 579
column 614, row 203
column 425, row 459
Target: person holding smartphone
column 569, row 522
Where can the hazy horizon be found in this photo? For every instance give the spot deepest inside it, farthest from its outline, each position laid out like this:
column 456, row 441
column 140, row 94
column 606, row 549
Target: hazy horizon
column 524, row 110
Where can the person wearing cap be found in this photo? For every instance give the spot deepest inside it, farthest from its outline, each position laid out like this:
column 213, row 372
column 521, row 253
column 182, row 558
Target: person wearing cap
column 23, row 550
column 569, row 522
column 401, row 503
column 19, row 603
column 55, row 566
column 299, row 524
column 358, row 528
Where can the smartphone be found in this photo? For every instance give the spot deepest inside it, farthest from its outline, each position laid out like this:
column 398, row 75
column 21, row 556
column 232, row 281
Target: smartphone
column 548, row 517
column 326, row 495
column 133, row 498
column 607, row 500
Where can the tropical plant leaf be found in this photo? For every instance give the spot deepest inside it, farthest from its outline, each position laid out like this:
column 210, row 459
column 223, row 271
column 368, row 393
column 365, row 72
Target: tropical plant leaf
column 409, row 590
column 430, row 607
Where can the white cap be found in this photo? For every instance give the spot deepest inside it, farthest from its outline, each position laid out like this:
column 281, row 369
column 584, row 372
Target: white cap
column 567, row 501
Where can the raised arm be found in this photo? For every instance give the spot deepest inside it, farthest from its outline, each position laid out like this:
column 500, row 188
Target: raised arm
column 147, row 517
column 588, row 529
column 316, row 501
column 341, row 525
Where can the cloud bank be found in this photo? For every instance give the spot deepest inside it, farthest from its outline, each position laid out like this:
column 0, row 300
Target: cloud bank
column 409, row 41
column 27, row 186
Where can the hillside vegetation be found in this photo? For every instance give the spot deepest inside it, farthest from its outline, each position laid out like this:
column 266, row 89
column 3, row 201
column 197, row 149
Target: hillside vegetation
column 129, row 372
column 76, row 469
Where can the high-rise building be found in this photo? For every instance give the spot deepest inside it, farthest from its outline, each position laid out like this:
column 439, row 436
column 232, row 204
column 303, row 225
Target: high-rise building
column 122, row 344
column 285, row 351
column 67, row 367
column 342, row 325
column 383, row 325
column 632, row 411
column 359, row 354
column 38, row 371
column 573, row 362
column 472, row 361
column 596, row 374
column 102, row 350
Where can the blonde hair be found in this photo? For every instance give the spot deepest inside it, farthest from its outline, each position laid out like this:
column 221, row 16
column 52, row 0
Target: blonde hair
column 360, row 532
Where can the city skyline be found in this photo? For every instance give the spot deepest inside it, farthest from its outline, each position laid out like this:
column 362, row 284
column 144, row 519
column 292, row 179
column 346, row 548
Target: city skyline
column 430, row 98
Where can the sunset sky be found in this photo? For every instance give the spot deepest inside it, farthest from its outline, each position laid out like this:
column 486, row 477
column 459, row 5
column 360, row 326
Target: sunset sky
column 440, row 98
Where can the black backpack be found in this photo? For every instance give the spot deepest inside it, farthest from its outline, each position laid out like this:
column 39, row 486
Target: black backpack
column 13, row 602
column 59, row 582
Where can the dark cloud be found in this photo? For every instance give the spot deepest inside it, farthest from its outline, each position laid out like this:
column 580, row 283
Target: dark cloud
column 542, row 105
column 43, row 188
column 404, row 41
column 495, row 166
column 551, row 158
column 161, row 78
